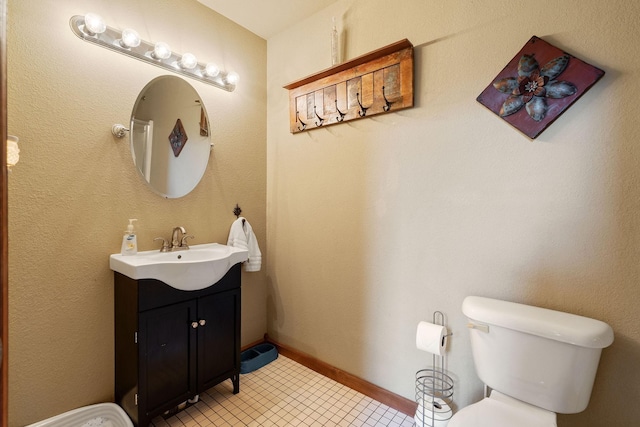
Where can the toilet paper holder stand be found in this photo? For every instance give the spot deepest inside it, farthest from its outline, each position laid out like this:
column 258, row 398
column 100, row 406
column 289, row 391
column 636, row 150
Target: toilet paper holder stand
column 434, row 388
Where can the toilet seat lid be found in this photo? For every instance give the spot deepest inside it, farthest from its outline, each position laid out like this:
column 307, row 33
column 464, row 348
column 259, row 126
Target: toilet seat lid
column 500, row 410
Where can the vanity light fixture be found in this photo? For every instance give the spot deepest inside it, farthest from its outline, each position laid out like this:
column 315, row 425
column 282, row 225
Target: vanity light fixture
column 93, row 29
column 13, row 151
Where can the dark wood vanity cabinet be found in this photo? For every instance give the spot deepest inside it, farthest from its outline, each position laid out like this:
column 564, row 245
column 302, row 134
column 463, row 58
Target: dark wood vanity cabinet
column 171, row 345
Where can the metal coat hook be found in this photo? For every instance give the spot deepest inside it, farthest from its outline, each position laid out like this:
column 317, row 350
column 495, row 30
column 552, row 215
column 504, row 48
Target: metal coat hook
column 363, row 110
column 340, row 113
column 321, row 120
column 237, row 211
column 388, row 103
column 304, row 125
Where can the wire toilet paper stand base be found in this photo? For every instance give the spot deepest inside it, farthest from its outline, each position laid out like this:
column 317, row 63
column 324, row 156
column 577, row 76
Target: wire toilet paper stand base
column 434, row 390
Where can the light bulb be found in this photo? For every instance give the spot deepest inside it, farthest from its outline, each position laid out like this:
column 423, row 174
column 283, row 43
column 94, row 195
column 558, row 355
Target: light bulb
column 94, row 24
column 130, row 38
column 161, row 51
column 233, row 78
column 188, row 61
column 211, row 70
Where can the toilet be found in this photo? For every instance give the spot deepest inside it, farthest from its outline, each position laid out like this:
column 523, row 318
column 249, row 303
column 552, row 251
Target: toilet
column 535, row 362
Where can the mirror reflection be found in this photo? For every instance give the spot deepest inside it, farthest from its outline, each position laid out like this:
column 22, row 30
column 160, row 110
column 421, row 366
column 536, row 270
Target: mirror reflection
column 170, row 141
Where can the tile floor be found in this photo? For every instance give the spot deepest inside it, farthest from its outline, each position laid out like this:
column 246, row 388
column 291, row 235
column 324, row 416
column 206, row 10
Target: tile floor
column 285, row 393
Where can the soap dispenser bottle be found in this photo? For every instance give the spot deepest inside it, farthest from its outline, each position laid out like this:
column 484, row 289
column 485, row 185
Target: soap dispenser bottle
column 129, row 240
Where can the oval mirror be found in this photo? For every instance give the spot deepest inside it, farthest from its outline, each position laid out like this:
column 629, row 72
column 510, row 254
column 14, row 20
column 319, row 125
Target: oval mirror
column 170, row 141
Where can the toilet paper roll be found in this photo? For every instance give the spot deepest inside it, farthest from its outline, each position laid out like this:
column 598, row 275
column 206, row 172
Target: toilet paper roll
column 432, row 412
column 430, row 338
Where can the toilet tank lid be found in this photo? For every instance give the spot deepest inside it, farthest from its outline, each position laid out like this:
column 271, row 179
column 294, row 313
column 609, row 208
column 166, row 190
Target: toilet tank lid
column 543, row 322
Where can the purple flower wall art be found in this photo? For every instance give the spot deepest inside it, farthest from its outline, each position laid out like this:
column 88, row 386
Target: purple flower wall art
column 537, row 86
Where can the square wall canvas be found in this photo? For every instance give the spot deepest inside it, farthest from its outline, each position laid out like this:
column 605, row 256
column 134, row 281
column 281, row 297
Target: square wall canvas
column 537, row 86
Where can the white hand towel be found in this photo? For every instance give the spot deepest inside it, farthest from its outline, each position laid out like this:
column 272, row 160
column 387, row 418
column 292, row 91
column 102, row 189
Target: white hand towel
column 241, row 236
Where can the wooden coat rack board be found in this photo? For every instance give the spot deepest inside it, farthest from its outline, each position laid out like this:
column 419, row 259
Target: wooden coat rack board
column 375, row 83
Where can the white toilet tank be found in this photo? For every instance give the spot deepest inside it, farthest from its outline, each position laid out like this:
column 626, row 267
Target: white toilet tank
column 543, row 357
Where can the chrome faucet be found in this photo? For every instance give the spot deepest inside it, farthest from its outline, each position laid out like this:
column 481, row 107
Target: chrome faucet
column 178, row 240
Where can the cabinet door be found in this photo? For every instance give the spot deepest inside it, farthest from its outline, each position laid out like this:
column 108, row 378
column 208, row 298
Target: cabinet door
column 219, row 339
column 167, row 356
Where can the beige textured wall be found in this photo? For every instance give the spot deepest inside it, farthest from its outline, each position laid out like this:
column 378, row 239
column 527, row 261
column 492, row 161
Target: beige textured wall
column 75, row 186
column 376, row 223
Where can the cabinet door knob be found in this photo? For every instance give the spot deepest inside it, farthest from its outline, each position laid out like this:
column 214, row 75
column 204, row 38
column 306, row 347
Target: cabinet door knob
column 203, row 322
column 194, row 325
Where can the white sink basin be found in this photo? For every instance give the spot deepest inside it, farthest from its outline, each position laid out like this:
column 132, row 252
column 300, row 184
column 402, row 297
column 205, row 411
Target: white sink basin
column 189, row 270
